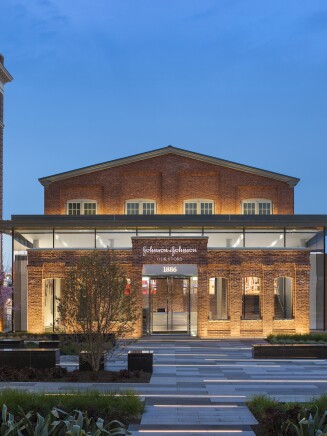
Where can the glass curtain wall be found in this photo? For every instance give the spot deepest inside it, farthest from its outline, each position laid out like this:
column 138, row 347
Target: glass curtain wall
column 310, row 239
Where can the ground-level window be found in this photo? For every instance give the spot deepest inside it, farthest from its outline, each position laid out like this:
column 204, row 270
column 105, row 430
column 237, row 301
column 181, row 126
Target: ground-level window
column 251, row 297
column 218, row 298
column 53, row 289
column 256, row 207
column 283, row 298
column 81, row 207
column 140, row 207
column 198, row 207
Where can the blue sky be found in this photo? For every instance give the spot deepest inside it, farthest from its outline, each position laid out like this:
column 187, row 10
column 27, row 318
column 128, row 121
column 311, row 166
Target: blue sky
column 94, row 80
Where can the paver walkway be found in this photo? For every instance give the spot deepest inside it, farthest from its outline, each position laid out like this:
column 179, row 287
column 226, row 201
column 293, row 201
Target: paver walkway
column 202, row 385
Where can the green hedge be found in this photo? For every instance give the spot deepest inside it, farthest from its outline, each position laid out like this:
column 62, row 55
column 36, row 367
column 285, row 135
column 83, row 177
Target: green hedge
column 308, row 338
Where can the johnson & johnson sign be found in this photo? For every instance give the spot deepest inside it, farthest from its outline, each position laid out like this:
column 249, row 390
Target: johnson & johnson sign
column 170, row 251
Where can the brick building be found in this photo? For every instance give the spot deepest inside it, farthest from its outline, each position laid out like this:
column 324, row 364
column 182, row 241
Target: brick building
column 212, row 247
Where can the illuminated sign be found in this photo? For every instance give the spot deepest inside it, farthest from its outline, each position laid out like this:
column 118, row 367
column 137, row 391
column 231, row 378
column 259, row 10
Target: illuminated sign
column 172, row 251
column 170, row 270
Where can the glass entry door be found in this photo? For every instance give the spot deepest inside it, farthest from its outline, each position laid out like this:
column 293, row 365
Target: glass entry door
column 170, row 305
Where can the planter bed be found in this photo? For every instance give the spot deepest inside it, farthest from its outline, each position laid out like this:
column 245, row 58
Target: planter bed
column 29, row 358
column 59, row 374
column 290, row 351
column 11, row 343
column 140, row 360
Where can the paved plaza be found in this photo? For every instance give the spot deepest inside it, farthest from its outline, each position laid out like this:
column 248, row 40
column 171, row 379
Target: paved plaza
column 200, row 386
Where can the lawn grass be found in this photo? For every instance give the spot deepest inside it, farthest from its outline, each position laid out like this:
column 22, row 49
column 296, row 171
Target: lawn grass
column 127, row 408
column 307, row 338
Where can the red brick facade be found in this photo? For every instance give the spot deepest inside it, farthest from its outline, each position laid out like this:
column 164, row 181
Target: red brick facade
column 233, row 265
column 169, row 180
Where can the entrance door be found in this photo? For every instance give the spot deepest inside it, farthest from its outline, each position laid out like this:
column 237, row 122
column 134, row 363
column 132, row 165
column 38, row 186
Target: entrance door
column 170, row 305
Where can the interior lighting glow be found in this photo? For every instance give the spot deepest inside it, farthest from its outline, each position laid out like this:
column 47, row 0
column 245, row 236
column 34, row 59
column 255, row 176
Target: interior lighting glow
column 101, row 242
column 239, row 239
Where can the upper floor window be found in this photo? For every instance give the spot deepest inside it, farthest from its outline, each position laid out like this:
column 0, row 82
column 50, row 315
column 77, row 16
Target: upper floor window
column 140, row 207
column 82, row 207
column 198, row 207
column 256, row 207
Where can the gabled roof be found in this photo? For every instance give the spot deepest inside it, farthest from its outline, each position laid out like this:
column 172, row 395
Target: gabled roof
column 292, row 181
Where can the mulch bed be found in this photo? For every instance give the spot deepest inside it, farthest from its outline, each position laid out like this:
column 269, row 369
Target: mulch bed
column 8, row 374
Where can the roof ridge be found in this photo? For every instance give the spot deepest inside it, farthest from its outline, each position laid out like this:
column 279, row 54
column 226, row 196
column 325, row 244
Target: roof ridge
column 292, row 181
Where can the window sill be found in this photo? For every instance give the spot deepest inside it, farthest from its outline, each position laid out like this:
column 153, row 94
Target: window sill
column 251, row 319
column 219, row 320
column 284, row 319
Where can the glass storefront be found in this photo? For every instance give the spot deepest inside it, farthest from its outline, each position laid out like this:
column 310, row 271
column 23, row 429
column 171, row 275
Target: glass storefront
column 169, row 305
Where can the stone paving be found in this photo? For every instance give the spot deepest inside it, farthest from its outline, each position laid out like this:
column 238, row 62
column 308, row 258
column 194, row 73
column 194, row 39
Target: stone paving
column 200, row 386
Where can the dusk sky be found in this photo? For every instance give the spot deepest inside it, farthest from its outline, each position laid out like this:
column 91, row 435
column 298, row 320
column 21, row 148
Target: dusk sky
column 95, row 80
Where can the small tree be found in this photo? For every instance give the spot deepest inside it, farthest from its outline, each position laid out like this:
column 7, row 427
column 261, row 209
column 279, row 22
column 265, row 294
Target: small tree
column 96, row 301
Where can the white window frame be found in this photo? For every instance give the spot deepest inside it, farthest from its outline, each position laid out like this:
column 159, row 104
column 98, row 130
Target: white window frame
column 256, row 202
column 82, row 202
column 198, row 205
column 141, row 202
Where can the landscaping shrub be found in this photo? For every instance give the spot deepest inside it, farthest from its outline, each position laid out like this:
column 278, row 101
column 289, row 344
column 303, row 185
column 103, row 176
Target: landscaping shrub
column 61, row 374
column 309, row 422
column 126, row 408
column 8, row 373
column 260, row 403
column 289, row 418
column 308, row 338
column 319, row 402
column 57, row 423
